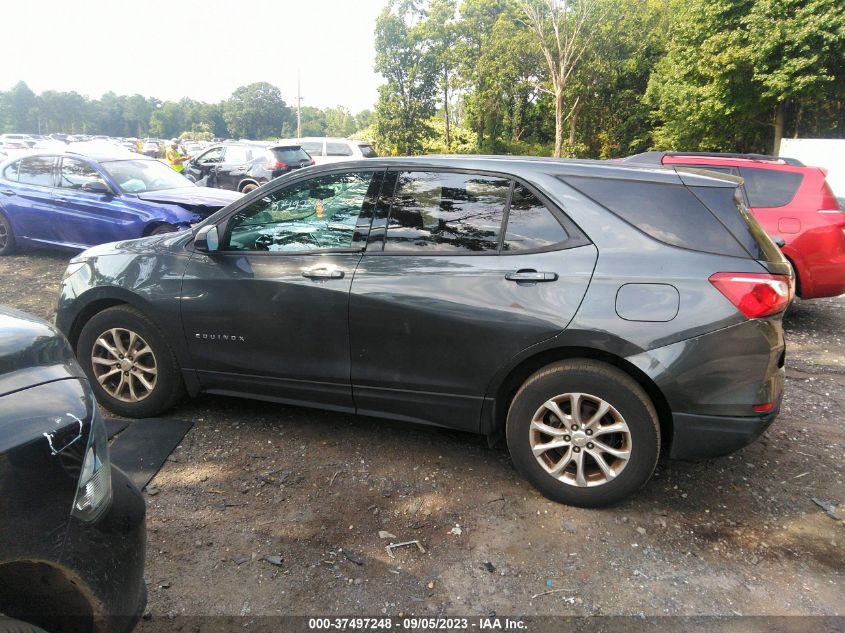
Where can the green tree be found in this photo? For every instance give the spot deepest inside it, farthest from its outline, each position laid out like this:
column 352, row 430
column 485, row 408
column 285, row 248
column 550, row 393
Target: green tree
column 256, row 111
column 339, row 122
column 404, row 58
column 21, row 110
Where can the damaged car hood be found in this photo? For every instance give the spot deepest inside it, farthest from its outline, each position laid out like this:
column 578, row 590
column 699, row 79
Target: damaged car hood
column 202, row 200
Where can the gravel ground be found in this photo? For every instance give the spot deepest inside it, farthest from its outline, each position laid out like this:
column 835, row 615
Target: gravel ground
column 266, row 509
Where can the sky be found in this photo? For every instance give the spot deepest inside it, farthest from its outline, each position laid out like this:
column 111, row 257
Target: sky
column 198, row 49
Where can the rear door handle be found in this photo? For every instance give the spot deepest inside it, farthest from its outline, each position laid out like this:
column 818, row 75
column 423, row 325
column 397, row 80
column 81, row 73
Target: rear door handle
column 531, row 276
column 322, row 273
column 7, row 192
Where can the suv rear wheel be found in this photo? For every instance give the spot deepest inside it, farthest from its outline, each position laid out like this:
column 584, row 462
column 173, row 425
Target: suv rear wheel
column 129, row 363
column 583, row 433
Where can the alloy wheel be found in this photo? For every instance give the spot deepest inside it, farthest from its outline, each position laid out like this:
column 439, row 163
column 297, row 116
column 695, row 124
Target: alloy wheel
column 580, row 439
column 124, row 365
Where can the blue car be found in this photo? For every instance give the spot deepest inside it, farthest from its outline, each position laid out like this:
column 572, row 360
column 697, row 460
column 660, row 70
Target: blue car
column 76, row 201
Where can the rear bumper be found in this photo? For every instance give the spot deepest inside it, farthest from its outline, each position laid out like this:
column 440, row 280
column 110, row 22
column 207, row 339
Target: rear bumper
column 703, row 436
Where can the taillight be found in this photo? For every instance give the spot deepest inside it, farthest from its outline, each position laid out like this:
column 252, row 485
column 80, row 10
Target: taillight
column 755, row 294
column 274, row 166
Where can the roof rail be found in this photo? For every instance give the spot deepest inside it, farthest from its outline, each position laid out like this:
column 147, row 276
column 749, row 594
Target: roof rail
column 657, row 157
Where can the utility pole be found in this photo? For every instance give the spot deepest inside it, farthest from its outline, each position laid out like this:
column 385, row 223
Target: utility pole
column 298, row 107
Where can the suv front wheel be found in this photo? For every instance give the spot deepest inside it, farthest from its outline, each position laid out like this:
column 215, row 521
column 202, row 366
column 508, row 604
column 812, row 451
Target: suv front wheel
column 129, row 363
column 583, row 433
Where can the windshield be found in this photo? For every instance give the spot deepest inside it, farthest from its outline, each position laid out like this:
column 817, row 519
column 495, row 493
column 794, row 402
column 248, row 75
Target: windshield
column 137, row 176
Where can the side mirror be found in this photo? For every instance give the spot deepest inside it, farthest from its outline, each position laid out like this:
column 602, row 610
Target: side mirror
column 207, row 240
column 98, row 187
column 777, row 239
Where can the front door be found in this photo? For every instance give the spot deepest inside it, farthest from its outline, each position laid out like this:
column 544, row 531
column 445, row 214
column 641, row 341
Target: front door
column 268, row 314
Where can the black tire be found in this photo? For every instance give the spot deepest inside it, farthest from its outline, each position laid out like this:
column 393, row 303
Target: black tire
column 249, row 187
column 164, row 228
column 7, row 236
column 168, row 387
column 601, row 382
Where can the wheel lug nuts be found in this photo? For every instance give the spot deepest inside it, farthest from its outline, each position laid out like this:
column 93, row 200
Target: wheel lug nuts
column 589, row 445
column 589, row 432
column 126, row 373
column 576, row 449
column 120, row 356
column 574, row 427
column 566, row 438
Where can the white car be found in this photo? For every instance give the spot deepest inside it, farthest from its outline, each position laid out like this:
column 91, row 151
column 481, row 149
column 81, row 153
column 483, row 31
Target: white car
column 326, row 149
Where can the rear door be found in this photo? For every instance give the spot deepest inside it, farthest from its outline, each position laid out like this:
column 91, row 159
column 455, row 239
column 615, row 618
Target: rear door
column 29, row 201
column 462, row 272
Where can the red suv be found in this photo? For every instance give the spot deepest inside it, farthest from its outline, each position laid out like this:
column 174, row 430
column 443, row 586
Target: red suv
column 791, row 201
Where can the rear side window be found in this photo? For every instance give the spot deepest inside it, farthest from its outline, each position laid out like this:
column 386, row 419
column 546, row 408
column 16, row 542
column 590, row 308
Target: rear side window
column 666, row 212
column 288, row 154
column 447, row 212
column 726, row 204
column 367, row 151
column 313, row 149
column 768, row 187
column 238, row 154
column 11, row 171
column 36, row 170
column 530, row 224
column 338, row 149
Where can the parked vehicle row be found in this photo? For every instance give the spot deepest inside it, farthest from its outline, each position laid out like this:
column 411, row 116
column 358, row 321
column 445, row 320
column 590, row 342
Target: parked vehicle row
column 588, row 311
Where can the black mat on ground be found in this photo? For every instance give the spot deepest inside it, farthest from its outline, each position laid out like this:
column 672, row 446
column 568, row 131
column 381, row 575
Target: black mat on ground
column 143, row 447
column 113, row 427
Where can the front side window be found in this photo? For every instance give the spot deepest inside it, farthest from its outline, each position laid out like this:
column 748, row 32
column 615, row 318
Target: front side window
column 447, row 212
column 338, row 149
column 36, row 170
column 531, row 225
column 314, row 214
column 11, row 171
column 214, row 155
column 76, row 174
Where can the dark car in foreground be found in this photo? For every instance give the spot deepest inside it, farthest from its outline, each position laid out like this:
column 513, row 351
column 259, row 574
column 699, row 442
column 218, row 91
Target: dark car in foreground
column 245, row 166
column 72, row 532
column 75, row 201
column 590, row 312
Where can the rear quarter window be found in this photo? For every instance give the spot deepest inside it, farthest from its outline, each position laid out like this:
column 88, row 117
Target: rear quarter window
column 666, row 212
column 338, row 149
column 767, row 188
column 367, row 151
column 289, row 154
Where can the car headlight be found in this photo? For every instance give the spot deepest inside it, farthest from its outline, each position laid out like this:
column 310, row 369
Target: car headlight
column 94, row 491
column 72, row 269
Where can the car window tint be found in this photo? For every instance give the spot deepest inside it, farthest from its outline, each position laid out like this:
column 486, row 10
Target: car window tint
column 669, row 213
column 237, row 154
column 76, row 173
column 530, row 224
column 36, row 170
column 11, row 171
column 319, row 213
column 211, row 156
column 288, row 154
column 367, row 151
column 446, row 212
column 338, row 149
column 769, row 187
column 313, row 149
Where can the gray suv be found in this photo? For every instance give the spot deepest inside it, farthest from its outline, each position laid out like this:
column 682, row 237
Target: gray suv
column 590, row 312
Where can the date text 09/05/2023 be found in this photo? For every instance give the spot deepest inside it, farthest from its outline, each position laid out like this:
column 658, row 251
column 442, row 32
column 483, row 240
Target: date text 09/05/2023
column 416, row 624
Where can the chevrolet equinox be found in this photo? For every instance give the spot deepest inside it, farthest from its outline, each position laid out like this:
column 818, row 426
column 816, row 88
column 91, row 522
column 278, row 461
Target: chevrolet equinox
column 590, row 312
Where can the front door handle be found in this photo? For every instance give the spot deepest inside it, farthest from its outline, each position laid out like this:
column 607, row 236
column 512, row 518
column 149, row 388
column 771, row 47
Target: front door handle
column 60, row 199
column 322, row 273
column 531, row 276
column 7, row 192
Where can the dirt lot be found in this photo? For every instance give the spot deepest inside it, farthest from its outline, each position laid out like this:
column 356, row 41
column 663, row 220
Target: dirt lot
column 253, row 481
